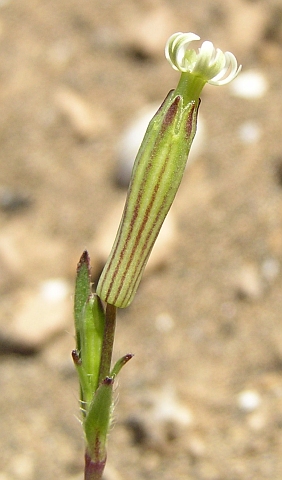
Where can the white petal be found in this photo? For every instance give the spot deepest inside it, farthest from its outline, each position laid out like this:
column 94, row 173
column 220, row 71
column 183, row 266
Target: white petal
column 210, row 61
column 231, row 65
column 176, row 47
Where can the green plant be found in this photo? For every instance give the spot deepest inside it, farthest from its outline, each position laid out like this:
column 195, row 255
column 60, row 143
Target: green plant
column 156, row 176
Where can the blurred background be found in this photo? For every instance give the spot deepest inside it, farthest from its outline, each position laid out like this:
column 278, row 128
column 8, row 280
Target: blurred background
column 202, row 397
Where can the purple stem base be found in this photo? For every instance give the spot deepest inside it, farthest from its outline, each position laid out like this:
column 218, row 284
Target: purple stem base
column 93, row 470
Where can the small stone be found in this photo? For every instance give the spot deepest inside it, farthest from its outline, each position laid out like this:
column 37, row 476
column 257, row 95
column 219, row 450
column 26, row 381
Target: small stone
column 251, row 85
column 54, row 290
column 270, row 269
column 22, row 467
column 249, row 133
column 85, row 121
column 148, row 34
column 249, row 283
column 139, row 429
column 169, row 417
column 196, row 447
column 12, row 201
column 167, row 408
column 164, row 322
column 39, row 314
column 249, row 400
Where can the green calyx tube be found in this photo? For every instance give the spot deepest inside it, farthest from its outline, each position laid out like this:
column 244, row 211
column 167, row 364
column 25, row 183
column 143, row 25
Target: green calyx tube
column 156, row 176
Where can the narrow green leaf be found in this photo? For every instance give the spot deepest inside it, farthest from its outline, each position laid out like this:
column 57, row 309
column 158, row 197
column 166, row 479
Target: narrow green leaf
column 92, row 331
column 120, row 363
column 97, row 421
column 82, row 292
column 85, row 386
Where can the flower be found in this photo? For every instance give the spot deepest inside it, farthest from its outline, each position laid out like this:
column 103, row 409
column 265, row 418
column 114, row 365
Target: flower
column 211, row 64
column 160, row 164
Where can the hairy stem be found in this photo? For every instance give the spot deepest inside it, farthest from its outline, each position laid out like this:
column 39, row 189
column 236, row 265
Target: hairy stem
column 93, row 470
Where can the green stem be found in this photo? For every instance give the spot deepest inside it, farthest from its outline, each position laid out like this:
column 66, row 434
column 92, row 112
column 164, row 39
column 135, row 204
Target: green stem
column 189, row 87
column 108, row 342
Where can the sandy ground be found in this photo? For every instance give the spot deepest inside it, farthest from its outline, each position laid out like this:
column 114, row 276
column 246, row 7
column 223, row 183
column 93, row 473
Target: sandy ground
column 202, row 398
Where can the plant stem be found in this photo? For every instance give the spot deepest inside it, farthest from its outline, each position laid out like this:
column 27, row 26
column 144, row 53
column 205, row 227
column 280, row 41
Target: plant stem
column 108, row 342
column 94, row 467
column 93, row 470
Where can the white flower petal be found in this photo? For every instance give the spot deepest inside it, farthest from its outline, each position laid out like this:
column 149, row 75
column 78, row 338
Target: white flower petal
column 176, row 47
column 230, row 65
column 210, row 61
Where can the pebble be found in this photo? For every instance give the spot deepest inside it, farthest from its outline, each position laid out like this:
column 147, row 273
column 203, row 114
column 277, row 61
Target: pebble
column 249, row 283
column 164, row 322
column 196, row 446
column 39, row 314
column 249, row 132
column 249, row 400
column 86, row 122
column 249, row 85
column 270, row 269
column 22, row 467
column 168, row 416
column 167, row 408
column 54, row 290
column 12, row 200
column 132, row 137
column 103, row 243
column 148, row 33
column 253, row 280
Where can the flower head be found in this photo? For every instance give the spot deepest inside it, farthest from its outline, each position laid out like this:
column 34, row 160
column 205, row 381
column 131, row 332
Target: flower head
column 211, row 64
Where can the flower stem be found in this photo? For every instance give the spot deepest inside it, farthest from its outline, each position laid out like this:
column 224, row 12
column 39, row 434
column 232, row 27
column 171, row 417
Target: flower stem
column 93, row 470
column 189, row 86
column 108, row 342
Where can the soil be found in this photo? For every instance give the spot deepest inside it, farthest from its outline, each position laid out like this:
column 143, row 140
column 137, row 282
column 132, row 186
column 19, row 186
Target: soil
column 202, row 397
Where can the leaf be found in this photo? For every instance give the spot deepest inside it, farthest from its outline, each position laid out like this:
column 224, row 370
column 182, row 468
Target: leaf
column 82, row 293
